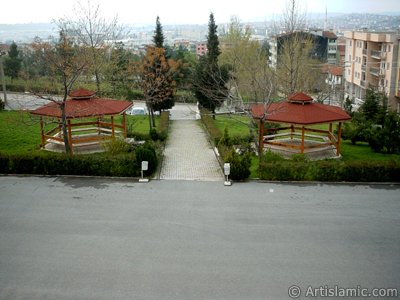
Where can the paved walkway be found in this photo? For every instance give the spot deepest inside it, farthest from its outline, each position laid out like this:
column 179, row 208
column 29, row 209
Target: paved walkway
column 188, row 155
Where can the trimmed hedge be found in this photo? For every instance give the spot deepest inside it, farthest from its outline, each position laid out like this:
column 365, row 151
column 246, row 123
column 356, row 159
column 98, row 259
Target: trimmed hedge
column 330, row 171
column 45, row 163
column 212, row 129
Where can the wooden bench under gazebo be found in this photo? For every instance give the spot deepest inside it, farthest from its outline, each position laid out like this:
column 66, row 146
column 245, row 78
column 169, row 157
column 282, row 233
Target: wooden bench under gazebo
column 90, row 122
column 299, row 113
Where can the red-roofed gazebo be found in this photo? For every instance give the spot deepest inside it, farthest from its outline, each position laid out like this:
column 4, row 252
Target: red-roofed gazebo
column 90, row 120
column 299, row 112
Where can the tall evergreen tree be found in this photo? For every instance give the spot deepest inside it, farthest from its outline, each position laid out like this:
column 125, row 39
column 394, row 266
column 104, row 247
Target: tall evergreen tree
column 209, row 82
column 370, row 107
column 13, row 62
column 158, row 38
column 213, row 50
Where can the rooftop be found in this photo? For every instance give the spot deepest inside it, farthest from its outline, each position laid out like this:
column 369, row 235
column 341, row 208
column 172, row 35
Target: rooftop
column 83, row 104
column 299, row 109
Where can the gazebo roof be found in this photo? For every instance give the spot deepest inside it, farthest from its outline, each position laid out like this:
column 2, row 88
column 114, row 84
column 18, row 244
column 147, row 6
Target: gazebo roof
column 299, row 109
column 82, row 94
column 82, row 104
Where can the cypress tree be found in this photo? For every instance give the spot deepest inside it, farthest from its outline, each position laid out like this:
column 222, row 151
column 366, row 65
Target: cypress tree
column 13, row 62
column 209, row 79
column 213, row 50
column 158, row 38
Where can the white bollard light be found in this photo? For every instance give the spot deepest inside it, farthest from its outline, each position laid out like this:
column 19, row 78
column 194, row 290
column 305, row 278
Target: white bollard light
column 227, row 172
column 145, row 167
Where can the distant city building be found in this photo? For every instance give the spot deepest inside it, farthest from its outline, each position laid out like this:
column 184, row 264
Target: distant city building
column 201, row 49
column 372, row 61
column 325, row 47
column 341, row 51
column 334, row 79
column 182, row 43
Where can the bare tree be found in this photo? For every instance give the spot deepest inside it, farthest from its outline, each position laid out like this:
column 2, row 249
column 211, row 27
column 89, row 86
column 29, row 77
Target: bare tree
column 66, row 61
column 251, row 79
column 296, row 66
column 96, row 33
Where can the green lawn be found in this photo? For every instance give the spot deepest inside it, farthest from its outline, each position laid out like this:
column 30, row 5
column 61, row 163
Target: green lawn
column 139, row 124
column 362, row 152
column 237, row 125
column 20, row 132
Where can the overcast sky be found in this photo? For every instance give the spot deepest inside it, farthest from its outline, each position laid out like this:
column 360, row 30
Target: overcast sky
column 182, row 12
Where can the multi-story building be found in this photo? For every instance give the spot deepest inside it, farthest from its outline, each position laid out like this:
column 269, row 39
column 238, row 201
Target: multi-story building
column 371, row 61
column 334, row 80
column 325, row 47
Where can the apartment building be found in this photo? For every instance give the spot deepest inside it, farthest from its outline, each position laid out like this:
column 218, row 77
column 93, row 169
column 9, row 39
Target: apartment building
column 325, row 45
column 372, row 61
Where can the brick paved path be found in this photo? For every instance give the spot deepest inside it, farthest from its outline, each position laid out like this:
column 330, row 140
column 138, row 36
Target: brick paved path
column 188, row 155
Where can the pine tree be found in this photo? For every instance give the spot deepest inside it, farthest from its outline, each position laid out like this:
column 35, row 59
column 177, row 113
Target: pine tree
column 158, row 38
column 13, row 62
column 370, row 107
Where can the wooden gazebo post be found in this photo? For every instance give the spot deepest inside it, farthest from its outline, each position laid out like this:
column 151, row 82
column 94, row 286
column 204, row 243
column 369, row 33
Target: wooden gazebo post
column 302, row 140
column 124, row 124
column 112, row 127
column 42, row 132
column 338, row 139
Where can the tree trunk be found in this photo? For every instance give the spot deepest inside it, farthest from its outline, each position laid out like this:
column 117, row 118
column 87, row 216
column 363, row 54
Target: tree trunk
column 64, row 129
column 149, row 109
column 153, row 121
column 97, row 76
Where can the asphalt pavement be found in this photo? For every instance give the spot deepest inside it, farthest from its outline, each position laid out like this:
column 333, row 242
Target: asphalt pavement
column 88, row 238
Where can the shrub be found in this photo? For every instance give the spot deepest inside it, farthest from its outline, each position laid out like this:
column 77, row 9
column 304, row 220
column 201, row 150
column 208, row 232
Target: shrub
column 240, row 165
column 225, row 139
column 330, row 170
column 116, row 146
column 60, row 164
column 148, row 153
column 139, row 136
column 270, row 156
column 153, row 134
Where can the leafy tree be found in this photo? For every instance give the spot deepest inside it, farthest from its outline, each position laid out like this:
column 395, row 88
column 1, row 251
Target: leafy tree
column 158, row 85
column 117, row 71
column 209, row 82
column 251, row 78
column 13, row 62
column 158, row 38
column 187, row 62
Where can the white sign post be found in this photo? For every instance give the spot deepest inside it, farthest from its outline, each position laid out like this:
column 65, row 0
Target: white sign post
column 145, row 167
